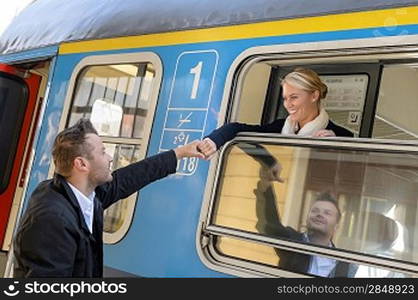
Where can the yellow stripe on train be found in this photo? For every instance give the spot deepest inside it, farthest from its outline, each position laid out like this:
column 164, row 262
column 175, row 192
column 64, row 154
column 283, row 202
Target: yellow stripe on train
column 348, row 21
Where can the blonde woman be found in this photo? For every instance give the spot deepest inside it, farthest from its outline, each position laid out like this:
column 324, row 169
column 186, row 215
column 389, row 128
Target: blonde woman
column 302, row 93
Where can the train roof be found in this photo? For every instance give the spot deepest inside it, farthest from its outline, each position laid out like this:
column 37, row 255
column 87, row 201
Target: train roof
column 46, row 23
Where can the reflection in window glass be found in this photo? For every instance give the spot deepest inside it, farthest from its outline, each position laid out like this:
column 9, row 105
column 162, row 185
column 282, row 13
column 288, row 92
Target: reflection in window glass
column 116, row 99
column 376, row 218
column 123, row 155
column 127, row 86
column 106, row 117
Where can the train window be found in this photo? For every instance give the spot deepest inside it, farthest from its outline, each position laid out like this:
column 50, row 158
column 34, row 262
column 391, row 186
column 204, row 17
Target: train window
column 350, row 100
column 120, row 100
column 285, row 205
column 13, row 102
column 397, row 107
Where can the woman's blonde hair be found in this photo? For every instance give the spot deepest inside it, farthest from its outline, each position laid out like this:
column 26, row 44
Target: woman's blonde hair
column 307, row 80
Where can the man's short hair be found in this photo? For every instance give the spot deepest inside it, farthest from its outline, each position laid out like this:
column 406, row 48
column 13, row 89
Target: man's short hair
column 69, row 144
column 326, row 196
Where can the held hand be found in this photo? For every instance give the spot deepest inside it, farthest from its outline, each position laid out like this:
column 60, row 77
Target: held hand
column 207, row 147
column 273, row 173
column 189, row 150
column 324, row 133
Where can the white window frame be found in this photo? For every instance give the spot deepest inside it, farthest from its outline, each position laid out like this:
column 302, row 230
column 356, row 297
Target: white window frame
column 339, row 254
column 358, row 50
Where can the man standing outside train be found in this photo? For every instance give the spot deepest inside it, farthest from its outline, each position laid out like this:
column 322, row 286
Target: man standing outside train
column 60, row 234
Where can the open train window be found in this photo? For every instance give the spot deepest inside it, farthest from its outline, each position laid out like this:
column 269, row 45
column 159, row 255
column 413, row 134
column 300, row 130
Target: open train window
column 13, row 101
column 352, row 90
column 119, row 99
column 350, row 102
column 374, row 100
column 268, row 226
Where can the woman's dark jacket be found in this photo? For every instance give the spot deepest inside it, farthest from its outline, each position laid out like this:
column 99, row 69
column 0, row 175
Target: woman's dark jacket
column 227, row 132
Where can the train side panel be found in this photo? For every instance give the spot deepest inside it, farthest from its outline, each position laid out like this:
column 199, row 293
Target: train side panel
column 161, row 238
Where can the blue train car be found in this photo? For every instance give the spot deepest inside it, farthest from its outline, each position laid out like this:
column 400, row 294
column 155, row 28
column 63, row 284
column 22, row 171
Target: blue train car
column 155, row 75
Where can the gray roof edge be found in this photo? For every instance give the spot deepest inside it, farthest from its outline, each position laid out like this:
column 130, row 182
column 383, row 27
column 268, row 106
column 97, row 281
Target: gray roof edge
column 92, row 19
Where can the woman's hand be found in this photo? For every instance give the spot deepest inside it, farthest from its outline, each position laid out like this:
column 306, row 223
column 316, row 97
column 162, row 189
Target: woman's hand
column 324, row 133
column 207, row 147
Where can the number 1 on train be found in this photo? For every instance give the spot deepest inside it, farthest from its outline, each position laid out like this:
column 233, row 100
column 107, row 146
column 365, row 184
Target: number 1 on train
column 196, row 70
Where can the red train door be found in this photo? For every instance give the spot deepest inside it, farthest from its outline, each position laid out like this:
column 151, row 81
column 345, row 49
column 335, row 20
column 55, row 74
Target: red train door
column 18, row 94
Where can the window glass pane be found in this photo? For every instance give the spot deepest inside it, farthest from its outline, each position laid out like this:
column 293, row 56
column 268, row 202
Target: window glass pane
column 123, row 155
column 124, row 86
column 13, row 102
column 270, row 256
column 397, row 108
column 116, row 98
column 375, row 218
